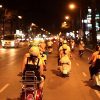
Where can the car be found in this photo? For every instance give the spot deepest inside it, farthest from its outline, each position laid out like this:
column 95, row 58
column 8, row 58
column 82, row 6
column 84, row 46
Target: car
column 10, row 41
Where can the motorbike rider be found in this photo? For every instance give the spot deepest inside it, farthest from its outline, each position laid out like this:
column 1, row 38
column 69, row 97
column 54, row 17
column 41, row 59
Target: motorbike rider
column 72, row 44
column 42, row 46
column 63, row 50
column 60, row 42
column 65, row 63
column 95, row 62
column 32, row 62
column 67, row 48
column 81, row 48
column 49, row 44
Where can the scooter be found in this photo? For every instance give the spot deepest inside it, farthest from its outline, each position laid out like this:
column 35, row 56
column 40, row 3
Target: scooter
column 65, row 69
column 30, row 87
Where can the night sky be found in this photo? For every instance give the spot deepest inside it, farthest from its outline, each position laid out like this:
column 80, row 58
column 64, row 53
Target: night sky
column 45, row 13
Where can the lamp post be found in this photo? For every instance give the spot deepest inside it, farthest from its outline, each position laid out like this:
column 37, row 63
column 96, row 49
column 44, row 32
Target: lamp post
column 3, row 19
column 73, row 6
column 70, row 21
column 20, row 18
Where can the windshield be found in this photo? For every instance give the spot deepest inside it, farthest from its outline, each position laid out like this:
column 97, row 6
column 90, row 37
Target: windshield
column 8, row 37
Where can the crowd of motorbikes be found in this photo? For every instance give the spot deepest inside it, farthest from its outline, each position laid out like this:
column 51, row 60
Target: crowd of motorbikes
column 64, row 59
column 30, row 84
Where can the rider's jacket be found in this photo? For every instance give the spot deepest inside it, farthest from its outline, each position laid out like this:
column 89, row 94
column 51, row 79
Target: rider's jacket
column 34, row 66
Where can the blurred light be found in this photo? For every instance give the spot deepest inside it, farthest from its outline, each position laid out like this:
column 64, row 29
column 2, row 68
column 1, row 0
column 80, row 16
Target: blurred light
column 89, row 25
column 86, row 32
column 89, row 10
column 72, row 6
column 85, row 21
column 1, row 6
column 67, row 17
column 33, row 24
column 20, row 17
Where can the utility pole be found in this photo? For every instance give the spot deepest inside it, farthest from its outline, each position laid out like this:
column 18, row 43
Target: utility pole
column 93, row 21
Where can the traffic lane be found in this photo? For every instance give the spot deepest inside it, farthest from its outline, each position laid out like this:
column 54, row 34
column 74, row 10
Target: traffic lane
column 86, row 85
column 73, row 87
column 10, row 86
column 83, row 66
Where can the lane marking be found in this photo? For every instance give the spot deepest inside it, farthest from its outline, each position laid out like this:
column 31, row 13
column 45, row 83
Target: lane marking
column 97, row 93
column 4, row 87
column 84, row 74
column 77, row 64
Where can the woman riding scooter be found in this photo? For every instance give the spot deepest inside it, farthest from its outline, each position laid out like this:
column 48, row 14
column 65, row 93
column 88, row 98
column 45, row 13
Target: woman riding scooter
column 65, row 62
column 92, row 61
column 81, row 48
column 32, row 62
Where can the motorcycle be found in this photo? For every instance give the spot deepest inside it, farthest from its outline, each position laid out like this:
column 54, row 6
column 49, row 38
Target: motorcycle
column 65, row 69
column 30, row 87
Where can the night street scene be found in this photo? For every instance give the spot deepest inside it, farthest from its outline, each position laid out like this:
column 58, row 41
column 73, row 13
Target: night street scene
column 49, row 49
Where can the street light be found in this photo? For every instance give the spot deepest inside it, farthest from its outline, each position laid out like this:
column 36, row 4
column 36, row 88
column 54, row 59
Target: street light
column 20, row 17
column 72, row 6
column 1, row 6
column 69, row 21
column 67, row 17
column 20, row 22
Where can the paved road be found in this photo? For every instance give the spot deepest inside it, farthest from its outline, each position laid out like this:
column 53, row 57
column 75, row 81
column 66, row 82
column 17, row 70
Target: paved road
column 75, row 87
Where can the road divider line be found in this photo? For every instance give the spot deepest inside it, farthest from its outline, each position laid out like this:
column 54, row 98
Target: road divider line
column 97, row 93
column 4, row 87
column 84, row 74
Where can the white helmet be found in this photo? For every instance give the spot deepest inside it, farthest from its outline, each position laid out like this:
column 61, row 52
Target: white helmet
column 34, row 50
column 64, row 46
column 64, row 41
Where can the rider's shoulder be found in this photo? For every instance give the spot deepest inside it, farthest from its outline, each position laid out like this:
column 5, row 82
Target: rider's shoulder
column 27, row 55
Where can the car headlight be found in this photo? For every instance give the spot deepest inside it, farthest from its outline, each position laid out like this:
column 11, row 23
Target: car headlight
column 12, row 43
column 3, row 43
